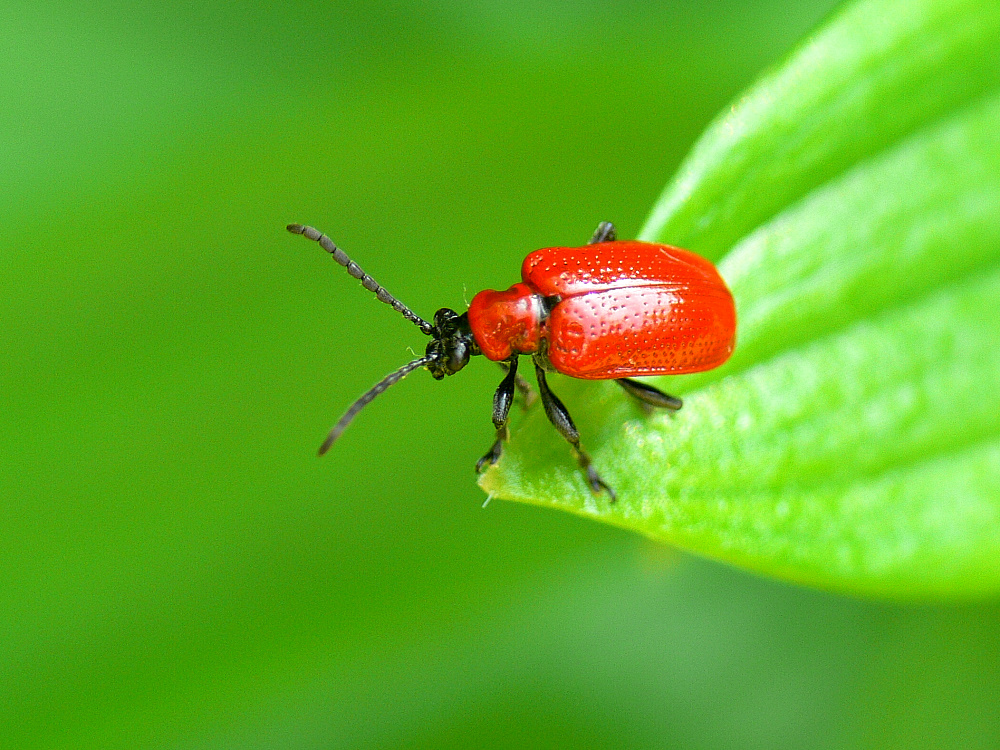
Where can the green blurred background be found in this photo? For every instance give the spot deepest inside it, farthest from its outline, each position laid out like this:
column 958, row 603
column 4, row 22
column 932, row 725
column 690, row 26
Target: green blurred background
column 178, row 570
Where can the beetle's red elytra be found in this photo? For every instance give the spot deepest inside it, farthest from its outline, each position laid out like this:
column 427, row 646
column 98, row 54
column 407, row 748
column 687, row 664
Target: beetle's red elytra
column 609, row 310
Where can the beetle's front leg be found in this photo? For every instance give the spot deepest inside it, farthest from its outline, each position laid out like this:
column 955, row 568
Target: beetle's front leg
column 523, row 386
column 502, row 400
column 561, row 420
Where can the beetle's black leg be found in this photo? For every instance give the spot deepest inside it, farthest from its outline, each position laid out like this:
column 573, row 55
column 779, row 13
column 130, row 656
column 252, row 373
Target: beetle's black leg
column 502, row 400
column 523, row 387
column 605, row 232
column 648, row 395
column 560, row 418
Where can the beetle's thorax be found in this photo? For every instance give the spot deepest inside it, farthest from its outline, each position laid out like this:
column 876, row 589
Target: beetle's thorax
column 452, row 345
column 508, row 322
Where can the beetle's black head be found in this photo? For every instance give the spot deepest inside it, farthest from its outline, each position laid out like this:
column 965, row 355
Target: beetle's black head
column 453, row 343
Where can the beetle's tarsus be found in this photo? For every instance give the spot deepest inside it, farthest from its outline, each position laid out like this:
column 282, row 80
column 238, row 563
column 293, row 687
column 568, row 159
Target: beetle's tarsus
column 492, row 455
column 648, row 396
column 605, row 232
column 598, row 485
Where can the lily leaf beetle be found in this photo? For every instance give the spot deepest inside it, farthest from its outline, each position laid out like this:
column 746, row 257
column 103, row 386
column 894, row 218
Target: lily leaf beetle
column 610, row 310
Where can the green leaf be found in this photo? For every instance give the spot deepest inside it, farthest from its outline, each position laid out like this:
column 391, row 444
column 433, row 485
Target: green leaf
column 853, row 440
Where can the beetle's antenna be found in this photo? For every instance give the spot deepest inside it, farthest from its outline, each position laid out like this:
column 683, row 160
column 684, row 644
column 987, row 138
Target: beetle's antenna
column 355, row 270
column 390, row 379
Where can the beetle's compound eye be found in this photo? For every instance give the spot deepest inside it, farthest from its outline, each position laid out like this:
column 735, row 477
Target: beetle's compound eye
column 458, row 357
column 447, row 356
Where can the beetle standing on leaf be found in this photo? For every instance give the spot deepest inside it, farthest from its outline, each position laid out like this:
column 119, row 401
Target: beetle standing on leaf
column 611, row 310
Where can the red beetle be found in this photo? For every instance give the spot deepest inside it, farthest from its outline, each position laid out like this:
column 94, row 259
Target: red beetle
column 608, row 310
